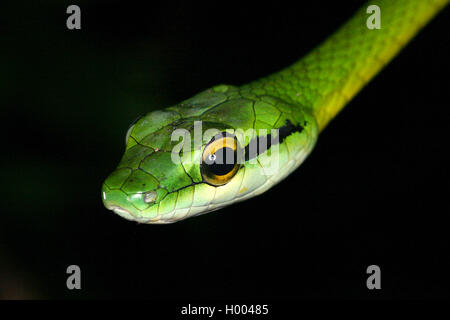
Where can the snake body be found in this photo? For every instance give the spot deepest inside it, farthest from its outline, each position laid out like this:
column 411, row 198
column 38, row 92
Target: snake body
column 270, row 125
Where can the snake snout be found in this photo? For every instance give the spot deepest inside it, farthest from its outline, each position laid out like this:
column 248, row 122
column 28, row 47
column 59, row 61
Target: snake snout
column 137, row 205
column 150, row 197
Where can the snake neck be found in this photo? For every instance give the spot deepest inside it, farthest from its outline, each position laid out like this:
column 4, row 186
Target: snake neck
column 327, row 78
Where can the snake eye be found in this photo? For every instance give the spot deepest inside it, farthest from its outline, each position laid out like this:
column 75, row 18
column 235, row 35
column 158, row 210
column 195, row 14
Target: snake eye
column 220, row 160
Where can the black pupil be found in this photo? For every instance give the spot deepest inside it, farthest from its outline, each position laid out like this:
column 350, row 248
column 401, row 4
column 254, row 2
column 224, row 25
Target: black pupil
column 221, row 162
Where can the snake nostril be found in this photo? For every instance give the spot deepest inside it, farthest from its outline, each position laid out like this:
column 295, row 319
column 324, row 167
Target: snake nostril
column 150, row 197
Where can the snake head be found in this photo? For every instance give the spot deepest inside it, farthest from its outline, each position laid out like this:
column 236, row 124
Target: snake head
column 222, row 146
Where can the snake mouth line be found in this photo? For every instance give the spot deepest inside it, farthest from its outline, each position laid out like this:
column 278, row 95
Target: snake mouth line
column 127, row 215
column 122, row 212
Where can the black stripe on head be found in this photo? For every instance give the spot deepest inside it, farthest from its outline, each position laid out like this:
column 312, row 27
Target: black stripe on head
column 257, row 145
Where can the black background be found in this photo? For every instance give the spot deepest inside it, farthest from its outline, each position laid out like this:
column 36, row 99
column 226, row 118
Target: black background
column 374, row 190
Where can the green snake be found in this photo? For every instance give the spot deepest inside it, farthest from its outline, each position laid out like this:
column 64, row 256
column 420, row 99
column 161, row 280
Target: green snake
column 238, row 142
